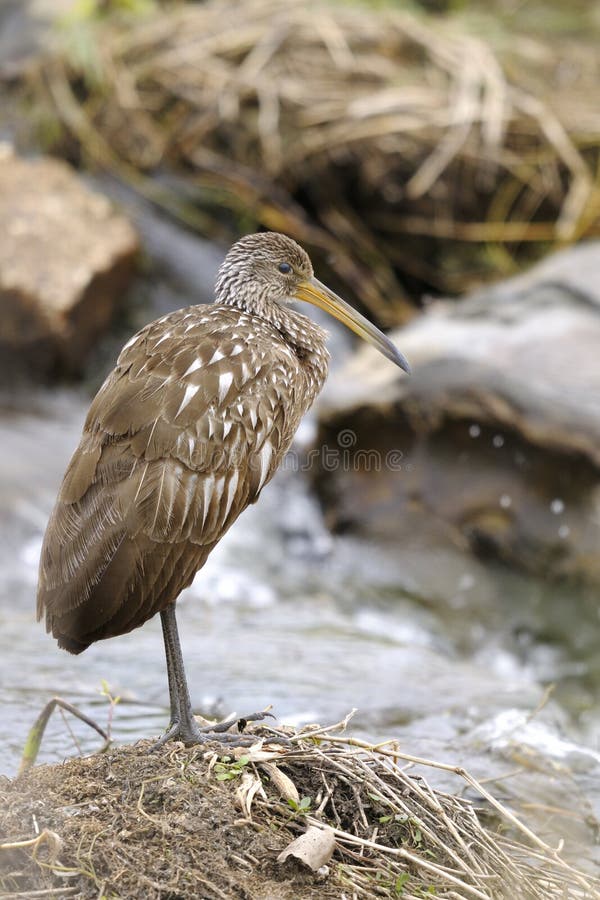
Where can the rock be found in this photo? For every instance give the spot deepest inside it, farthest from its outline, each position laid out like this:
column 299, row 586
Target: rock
column 66, row 259
column 495, row 438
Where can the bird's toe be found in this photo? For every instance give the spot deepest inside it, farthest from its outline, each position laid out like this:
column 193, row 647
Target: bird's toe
column 240, row 721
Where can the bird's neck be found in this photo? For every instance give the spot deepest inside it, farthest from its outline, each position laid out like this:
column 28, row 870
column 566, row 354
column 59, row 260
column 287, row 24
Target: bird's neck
column 299, row 331
column 307, row 339
column 309, row 343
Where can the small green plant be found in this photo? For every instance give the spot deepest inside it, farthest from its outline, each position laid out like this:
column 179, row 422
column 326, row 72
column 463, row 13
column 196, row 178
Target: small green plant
column 400, row 882
column 105, row 692
column 228, row 769
column 394, row 888
column 416, row 835
column 302, row 807
column 36, row 733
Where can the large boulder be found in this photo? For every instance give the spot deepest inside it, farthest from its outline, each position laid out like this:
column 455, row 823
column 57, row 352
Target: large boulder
column 66, row 259
column 495, row 439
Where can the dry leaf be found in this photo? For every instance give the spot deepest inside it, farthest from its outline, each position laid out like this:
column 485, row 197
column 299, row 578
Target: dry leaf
column 314, row 848
column 249, row 786
column 283, row 784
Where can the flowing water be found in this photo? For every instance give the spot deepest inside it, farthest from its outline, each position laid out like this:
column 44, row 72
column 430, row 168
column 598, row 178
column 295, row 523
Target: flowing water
column 446, row 653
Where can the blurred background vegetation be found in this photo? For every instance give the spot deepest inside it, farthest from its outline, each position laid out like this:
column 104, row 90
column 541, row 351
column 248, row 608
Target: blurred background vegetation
column 413, row 153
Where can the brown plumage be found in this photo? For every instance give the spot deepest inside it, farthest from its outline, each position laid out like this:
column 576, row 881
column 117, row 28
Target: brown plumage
column 184, row 433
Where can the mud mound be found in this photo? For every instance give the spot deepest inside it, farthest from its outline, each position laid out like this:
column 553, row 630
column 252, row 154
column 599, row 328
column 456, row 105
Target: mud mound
column 190, row 823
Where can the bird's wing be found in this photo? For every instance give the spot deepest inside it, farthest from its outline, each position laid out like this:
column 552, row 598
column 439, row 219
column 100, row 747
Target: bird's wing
column 196, row 417
column 182, row 436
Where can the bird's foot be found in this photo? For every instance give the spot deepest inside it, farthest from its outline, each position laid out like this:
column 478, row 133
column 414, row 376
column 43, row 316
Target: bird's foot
column 189, row 732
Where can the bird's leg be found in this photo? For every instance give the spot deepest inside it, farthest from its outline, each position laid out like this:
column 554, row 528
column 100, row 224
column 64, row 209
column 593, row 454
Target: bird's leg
column 171, row 664
column 183, row 726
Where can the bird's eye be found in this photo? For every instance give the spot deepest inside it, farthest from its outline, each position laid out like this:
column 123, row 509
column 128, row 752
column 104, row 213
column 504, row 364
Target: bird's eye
column 285, row 268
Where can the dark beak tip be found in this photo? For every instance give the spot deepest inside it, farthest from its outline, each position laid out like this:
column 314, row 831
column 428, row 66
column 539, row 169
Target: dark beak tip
column 399, row 359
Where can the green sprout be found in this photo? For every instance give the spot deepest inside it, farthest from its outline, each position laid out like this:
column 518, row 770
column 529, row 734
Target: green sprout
column 228, row 769
column 302, row 807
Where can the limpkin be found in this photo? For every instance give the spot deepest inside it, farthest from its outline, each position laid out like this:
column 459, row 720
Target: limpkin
column 185, row 432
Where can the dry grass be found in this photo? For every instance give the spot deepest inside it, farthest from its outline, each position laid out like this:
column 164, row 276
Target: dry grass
column 403, row 149
column 180, row 824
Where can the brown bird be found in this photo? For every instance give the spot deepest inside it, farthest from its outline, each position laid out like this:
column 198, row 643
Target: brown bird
column 184, row 433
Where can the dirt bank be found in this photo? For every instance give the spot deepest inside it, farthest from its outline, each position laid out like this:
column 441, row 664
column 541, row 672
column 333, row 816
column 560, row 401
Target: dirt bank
column 186, row 823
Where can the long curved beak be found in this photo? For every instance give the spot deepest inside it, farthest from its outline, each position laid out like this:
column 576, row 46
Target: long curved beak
column 313, row 291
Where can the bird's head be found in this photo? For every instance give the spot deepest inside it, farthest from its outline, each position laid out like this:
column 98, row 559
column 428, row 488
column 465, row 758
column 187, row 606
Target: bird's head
column 267, row 267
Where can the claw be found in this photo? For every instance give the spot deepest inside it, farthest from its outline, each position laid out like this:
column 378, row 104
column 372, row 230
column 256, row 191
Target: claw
column 240, row 721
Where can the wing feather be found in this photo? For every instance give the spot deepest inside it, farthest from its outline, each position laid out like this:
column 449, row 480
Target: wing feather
column 184, row 433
